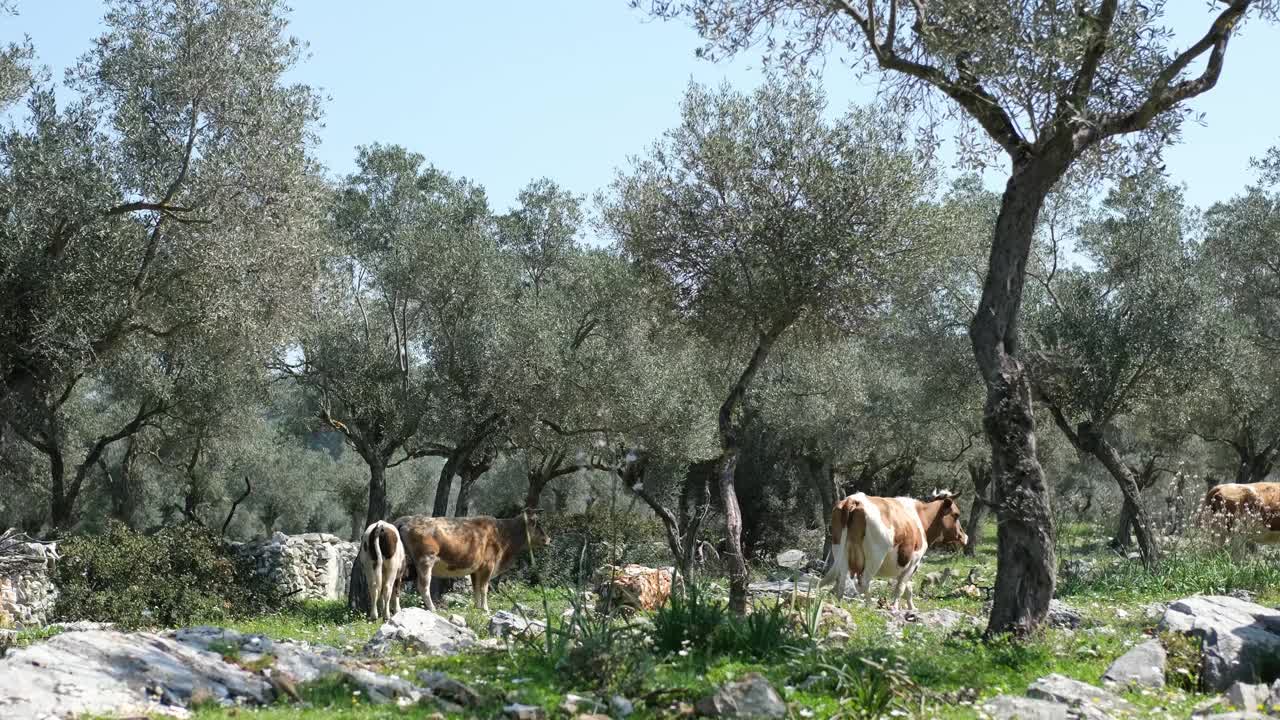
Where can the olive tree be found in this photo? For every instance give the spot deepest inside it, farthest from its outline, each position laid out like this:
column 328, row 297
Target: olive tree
column 1125, row 334
column 366, row 354
column 1046, row 85
column 763, row 216
column 168, row 203
column 1238, row 405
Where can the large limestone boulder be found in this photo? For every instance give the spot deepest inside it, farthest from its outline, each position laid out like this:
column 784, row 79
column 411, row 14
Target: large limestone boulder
column 1240, row 639
column 632, row 586
column 104, row 672
column 107, row 672
column 423, row 631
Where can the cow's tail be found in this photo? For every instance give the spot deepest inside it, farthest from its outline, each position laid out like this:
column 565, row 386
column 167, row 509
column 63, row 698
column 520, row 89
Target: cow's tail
column 375, row 546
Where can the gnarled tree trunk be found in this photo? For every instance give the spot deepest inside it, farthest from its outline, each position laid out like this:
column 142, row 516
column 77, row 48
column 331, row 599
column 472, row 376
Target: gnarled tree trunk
column 1025, row 557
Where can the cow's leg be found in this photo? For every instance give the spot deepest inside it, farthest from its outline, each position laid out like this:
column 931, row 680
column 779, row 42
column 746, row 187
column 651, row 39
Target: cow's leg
column 388, row 581
column 873, row 560
column 425, row 564
column 373, row 585
column 480, row 589
column 396, row 586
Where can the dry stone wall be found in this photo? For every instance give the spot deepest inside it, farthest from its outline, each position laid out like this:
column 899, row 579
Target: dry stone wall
column 311, row 566
column 27, row 591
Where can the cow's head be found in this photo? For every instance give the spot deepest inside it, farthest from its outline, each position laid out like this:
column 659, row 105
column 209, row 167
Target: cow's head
column 538, row 537
column 942, row 520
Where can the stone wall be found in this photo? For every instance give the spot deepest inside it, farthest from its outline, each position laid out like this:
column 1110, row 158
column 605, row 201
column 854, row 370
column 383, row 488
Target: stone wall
column 27, row 592
column 311, row 566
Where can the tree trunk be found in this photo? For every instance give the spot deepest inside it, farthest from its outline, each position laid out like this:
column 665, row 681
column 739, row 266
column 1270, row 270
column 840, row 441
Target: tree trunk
column 377, row 490
column 444, row 485
column 462, row 505
column 826, row 490
column 1025, row 558
column 537, row 483
column 729, row 449
column 62, row 499
column 1255, row 465
column 980, row 474
column 1092, row 441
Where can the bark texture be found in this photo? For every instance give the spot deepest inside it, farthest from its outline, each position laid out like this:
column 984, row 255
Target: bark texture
column 980, row 474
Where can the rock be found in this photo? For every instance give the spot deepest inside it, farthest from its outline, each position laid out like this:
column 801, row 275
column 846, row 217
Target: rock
column 1078, row 695
column 944, row 619
column 516, row 711
column 804, row 585
column 591, row 716
column 83, row 625
column 633, row 586
column 1143, row 664
column 454, row 691
column 1247, row 696
column 458, row 620
column 837, row 637
column 297, row 662
column 620, row 706
column 1240, row 639
column 573, row 703
column 1154, row 610
column 1245, row 595
column 1238, row 715
column 750, row 697
column 1012, row 707
column 103, row 672
column 422, row 630
column 791, row 559
column 508, row 625
column 1062, row 615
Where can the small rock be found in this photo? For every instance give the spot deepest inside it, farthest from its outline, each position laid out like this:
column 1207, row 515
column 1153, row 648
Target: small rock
column 791, row 559
column 837, row 637
column 750, row 697
column 1144, row 665
column 1062, row 615
column 573, row 703
column 1247, row 696
column 458, row 620
column 1079, row 695
column 1012, row 707
column 516, row 711
column 1244, row 595
column 591, row 716
column 454, row 691
column 620, row 706
column 505, row 624
column 943, row 619
column 1238, row 715
column 422, row 630
column 1122, row 614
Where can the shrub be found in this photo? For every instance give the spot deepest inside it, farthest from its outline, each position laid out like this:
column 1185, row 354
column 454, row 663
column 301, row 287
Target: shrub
column 582, row 542
column 180, row 574
column 688, row 620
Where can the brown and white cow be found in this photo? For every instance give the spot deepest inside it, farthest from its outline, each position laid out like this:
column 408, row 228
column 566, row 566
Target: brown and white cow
column 887, row 537
column 481, row 546
column 382, row 559
column 1252, row 508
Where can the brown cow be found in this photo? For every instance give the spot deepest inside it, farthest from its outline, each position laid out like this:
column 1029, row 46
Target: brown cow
column 1256, row 506
column 886, row 537
column 482, row 547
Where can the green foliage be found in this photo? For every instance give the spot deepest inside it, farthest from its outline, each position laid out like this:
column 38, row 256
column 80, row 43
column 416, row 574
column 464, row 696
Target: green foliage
column 688, row 622
column 1182, row 573
column 1183, row 660
column 179, row 575
column 582, row 542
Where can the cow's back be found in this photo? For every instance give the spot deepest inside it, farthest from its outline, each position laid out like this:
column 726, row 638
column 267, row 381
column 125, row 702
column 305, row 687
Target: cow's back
column 460, row 544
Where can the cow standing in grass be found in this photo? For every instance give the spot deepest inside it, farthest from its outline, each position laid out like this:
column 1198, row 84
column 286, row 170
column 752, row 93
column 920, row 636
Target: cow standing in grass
column 887, row 537
column 383, row 561
column 481, row 547
column 1252, row 509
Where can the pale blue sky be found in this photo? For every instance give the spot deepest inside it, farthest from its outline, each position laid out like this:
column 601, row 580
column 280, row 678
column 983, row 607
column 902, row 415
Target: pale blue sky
column 503, row 92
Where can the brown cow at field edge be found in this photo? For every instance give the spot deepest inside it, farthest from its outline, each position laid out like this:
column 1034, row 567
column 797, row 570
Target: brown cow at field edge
column 1258, row 504
column 482, row 547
